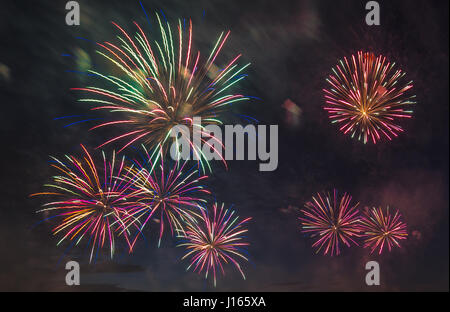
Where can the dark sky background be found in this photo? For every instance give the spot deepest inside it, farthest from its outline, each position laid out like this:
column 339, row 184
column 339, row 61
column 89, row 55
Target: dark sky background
column 292, row 46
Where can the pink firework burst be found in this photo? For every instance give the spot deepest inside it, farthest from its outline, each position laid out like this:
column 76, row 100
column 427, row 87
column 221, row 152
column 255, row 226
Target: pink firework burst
column 367, row 97
column 381, row 228
column 160, row 82
column 94, row 203
column 215, row 240
column 169, row 191
column 331, row 221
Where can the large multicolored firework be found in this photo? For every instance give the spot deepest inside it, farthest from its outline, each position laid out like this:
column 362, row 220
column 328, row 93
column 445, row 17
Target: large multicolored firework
column 367, row 97
column 94, row 202
column 162, row 84
column 380, row 229
column 331, row 221
column 174, row 191
column 215, row 240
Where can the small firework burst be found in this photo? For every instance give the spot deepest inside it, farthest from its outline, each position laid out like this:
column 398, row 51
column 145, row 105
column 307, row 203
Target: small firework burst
column 331, row 221
column 367, row 96
column 380, row 229
column 171, row 190
column 162, row 84
column 94, row 202
column 215, row 240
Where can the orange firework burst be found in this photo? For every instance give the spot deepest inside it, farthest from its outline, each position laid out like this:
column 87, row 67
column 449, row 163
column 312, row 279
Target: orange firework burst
column 367, row 96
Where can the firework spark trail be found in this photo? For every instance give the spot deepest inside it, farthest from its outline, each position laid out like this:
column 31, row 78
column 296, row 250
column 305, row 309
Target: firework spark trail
column 96, row 202
column 163, row 84
column 367, row 96
column 214, row 241
column 380, row 229
column 173, row 190
column 331, row 221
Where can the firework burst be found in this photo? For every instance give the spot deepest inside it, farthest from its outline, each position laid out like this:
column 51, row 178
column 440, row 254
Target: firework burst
column 172, row 191
column 380, row 229
column 214, row 241
column 331, row 221
column 95, row 203
column 163, row 84
column 367, row 96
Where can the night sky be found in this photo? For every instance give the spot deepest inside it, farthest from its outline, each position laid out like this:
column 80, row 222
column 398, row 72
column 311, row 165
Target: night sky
column 292, row 46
